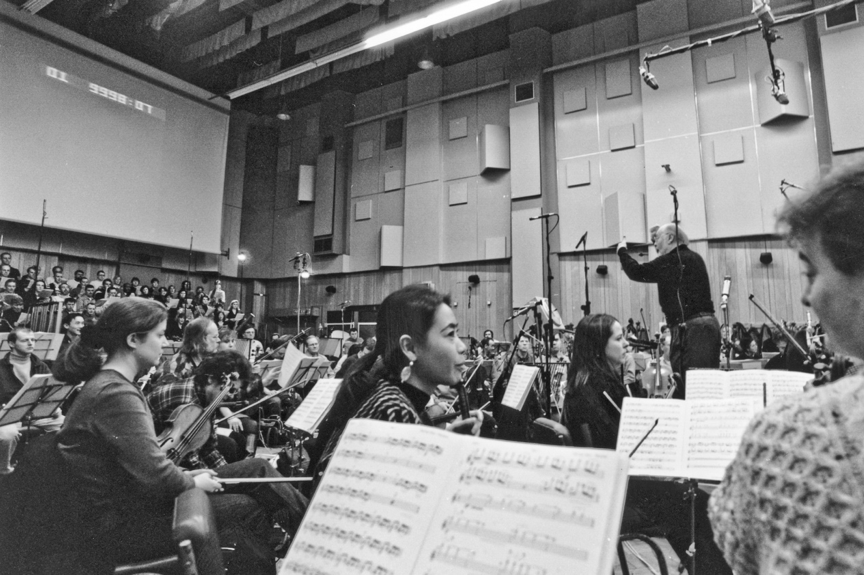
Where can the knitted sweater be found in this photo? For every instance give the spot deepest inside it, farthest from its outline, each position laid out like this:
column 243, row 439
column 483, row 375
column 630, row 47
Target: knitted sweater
column 792, row 502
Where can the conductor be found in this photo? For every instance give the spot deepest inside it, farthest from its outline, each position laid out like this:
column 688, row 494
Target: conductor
column 685, row 299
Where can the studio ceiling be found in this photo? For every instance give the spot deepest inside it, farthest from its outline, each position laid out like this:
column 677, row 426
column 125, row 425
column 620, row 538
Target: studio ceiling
column 220, row 45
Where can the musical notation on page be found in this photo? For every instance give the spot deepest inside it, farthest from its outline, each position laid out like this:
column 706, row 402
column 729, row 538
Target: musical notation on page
column 409, row 500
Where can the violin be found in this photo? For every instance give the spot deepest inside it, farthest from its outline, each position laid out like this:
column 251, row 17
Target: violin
column 189, row 427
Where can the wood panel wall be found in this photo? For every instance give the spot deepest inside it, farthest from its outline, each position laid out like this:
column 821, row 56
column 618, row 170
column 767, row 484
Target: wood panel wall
column 490, row 300
column 778, row 286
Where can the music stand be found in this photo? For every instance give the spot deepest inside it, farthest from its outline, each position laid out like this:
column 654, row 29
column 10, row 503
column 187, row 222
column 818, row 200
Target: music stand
column 39, row 398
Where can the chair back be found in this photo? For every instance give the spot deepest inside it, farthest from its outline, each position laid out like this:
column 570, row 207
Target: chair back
column 550, row 432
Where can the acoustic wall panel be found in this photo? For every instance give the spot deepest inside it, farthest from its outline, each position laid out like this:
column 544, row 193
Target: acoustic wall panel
column 493, row 107
column 527, row 256
column 624, row 216
column 423, row 145
column 458, row 192
column 423, row 205
column 683, row 156
column 788, row 153
column 574, row 100
column 577, row 172
column 580, row 210
column 325, row 191
column 727, row 104
column 392, row 180
column 618, row 79
column 623, row 172
column 622, row 137
column 494, row 148
column 460, row 77
column 306, row 184
column 671, row 110
column 364, row 162
column 391, row 246
column 525, row 151
column 459, row 223
column 365, row 150
column 728, row 149
column 460, row 157
column 458, row 128
column 733, row 206
column 614, row 114
column 365, row 236
column 363, row 210
column 720, row 68
column 493, row 209
column 576, row 134
column 425, row 85
column 793, row 84
column 615, row 32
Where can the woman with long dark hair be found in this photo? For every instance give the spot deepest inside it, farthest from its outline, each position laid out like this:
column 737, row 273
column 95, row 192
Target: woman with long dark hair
column 417, row 349
column 594, row 383
column 125, row 485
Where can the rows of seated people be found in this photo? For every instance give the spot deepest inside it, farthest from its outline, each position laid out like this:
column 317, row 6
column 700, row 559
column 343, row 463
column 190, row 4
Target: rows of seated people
column 19, row 292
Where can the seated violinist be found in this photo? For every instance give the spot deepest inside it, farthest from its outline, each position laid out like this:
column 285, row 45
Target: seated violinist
column 594, row 383
column 284, row 503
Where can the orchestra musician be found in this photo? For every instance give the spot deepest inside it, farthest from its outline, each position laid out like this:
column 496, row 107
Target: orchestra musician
column 125, row 486
column 593, row 385
column 417, row 349
column 792, row 501
column 200, row 339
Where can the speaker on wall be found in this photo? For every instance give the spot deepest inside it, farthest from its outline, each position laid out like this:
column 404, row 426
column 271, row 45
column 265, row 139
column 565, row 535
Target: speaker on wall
column 524, row 92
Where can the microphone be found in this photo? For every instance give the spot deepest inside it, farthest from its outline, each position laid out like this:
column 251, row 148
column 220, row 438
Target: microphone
column 648, row 77
column 724, row 298
column 673, row 191
column 523, row 311
column 582, row 240
column 542, row 216
column 346, row 302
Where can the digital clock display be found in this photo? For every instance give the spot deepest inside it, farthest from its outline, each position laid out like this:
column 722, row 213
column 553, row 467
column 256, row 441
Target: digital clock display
column 106, row 93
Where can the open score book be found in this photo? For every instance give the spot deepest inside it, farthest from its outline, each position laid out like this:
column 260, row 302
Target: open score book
column 410, row 499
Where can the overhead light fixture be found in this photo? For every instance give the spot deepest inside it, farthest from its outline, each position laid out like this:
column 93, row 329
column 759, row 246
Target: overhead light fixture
column 242, row 257
column 284, row 114
column 304, row 274
column 426, row 62
column 437, row 17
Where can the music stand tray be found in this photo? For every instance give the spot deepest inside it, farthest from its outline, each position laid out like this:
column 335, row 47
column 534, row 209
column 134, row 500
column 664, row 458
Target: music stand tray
column 40, row 397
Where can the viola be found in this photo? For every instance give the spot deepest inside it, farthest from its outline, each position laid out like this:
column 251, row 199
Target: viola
column 189, row 426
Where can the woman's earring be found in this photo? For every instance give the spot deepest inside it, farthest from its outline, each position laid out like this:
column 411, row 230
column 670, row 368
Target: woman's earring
column 406, row 372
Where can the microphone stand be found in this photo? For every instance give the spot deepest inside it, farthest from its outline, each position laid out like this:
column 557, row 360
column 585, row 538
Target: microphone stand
column 586, row 309
column 724, row 307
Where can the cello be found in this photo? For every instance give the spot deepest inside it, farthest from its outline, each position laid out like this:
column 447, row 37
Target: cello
column 189, row 426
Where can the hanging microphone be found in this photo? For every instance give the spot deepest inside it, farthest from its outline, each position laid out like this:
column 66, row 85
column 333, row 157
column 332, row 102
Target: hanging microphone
column 542, row 216
column 648, row 77
column 673, row 191
column 724, row 298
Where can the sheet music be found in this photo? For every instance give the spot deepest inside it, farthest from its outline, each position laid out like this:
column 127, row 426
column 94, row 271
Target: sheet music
column 290, row 363
column 375, row 503
column 518, row 386
column 715, row 431
column 662, row 453
column 519, row 509
column 706, row 384
column 783, row 383
column 401, row 500
column 746, row 383
column 311, row 411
